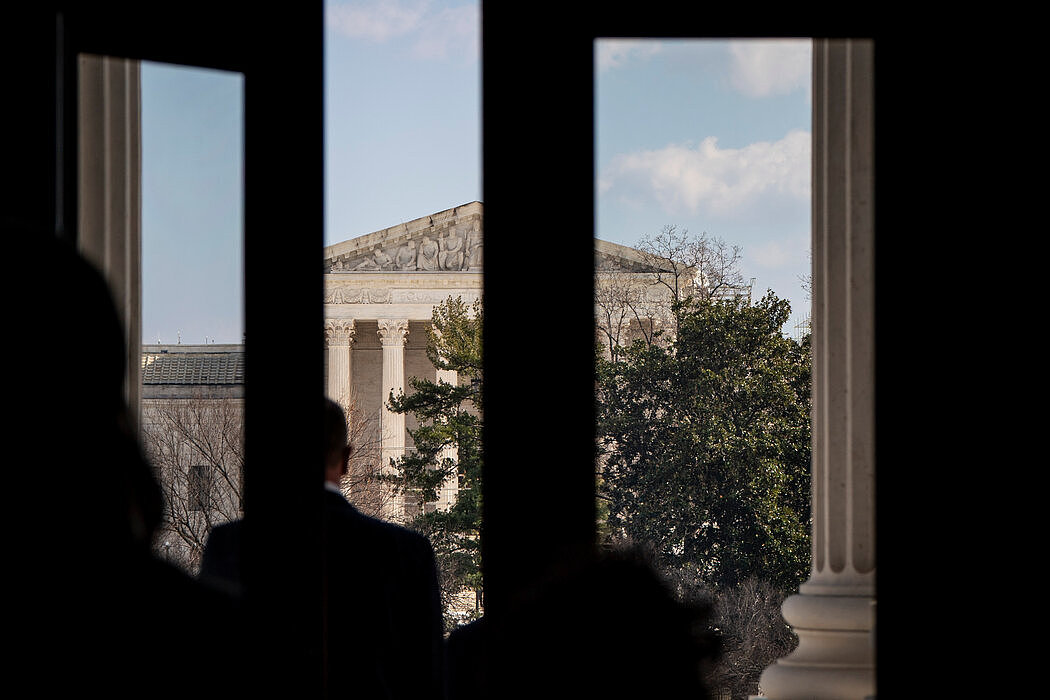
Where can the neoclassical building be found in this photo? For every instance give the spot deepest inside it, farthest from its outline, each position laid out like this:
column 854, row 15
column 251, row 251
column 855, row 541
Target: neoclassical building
column 380, row 290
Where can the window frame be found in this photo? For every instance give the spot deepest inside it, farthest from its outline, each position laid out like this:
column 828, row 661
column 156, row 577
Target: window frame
column 283, row 133
column 199, row 484
column 537, row 170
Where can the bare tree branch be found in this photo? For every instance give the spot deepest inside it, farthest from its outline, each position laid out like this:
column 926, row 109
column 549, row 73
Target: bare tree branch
column 196, row 446
column 363, row 484
column 674, row 267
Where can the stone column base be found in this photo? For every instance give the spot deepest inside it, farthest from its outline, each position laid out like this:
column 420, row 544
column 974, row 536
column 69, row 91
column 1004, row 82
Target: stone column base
column 835, row 658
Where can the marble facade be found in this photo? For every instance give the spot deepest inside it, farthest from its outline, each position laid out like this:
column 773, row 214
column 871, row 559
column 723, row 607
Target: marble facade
column 380, row 293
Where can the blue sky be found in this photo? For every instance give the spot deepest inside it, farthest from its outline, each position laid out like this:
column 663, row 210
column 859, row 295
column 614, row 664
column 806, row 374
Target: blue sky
column 192, row 205
column 402, row 112
column 709, row 136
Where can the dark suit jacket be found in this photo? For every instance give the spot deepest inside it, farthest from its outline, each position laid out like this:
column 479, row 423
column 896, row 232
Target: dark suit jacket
column 383, row 605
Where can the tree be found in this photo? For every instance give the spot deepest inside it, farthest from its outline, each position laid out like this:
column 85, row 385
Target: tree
column 363, row 484
column 636, row 300
column 705, row 443
column 196, row 447
column 447, row 445
column 688, row 265
column 753, row 635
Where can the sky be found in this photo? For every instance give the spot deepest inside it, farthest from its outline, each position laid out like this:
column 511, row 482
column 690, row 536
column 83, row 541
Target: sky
column 709, row 136
column 712, row 137
column 192, row 205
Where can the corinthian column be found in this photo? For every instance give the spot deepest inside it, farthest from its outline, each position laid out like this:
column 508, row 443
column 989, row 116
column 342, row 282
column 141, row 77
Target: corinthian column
column 833, row 612
column 339, row 339
column 393, row 333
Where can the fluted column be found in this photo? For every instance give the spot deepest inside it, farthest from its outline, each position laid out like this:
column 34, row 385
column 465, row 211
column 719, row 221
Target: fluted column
column 833, row 613
column 393, row 333
column 110, row 190
column 339, row 339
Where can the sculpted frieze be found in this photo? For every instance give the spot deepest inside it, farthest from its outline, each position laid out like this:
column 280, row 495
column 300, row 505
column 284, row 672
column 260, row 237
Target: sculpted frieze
column 410, row 296
column 448, row 249
column 428, row 254
column 356, row 295
column 366, row 295
column 610, row 263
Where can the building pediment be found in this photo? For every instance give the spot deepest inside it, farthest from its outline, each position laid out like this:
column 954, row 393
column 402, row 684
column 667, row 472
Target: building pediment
column 448, row 241
column 613, row 257
column 451, row 241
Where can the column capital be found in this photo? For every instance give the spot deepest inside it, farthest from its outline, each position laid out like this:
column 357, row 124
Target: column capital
column 339, row 332
column 393, row 331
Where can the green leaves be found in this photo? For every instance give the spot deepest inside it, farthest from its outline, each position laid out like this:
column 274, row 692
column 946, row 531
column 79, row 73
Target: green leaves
column 705, row 443
column 447, row 445
column 454, row 342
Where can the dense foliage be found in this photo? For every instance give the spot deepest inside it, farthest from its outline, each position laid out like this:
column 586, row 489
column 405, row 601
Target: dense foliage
column 705, row 444
column 448, row 416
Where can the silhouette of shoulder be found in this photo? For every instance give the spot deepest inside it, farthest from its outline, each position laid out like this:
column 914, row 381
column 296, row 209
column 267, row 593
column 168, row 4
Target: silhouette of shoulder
column 221, row 561
column 349, row 527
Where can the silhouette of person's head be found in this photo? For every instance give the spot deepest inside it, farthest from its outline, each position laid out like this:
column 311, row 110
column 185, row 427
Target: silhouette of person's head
column 93, row 593
column 73, row 400
column 611, row 628
column 337, row 449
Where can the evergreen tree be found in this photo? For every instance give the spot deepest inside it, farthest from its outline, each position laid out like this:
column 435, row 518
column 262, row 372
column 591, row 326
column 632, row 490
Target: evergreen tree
column 448, row 416
column 706, row 444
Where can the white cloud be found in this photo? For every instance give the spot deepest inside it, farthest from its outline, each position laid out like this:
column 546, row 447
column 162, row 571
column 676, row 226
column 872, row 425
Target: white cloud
column 772, row 254
column 377, row 20
column 432, row 31
column 764, row 67
column 686, row 179
column 613, row 53
column 453, row 31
